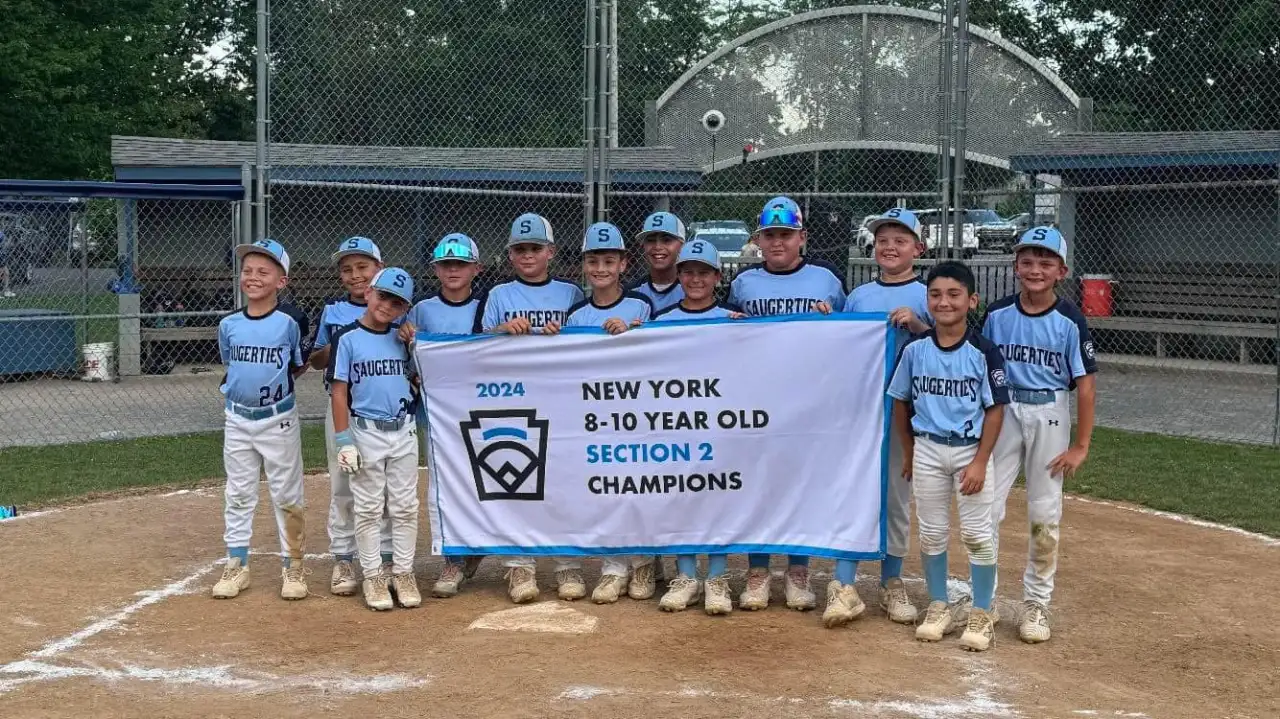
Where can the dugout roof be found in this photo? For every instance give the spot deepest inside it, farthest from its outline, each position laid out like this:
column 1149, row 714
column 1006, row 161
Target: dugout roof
column 1144, row 150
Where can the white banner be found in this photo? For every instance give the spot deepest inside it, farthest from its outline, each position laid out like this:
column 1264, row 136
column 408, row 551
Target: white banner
column 760, row 435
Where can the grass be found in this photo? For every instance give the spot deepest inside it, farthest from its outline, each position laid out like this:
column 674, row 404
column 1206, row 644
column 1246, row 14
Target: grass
column 1232, row 484
column 73, row 471
column 106, row 330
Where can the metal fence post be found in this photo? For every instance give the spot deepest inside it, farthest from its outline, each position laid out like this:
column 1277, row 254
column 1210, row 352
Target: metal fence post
column 260, row 231
column 588, row 114
column 945, row 48
column 960, row 110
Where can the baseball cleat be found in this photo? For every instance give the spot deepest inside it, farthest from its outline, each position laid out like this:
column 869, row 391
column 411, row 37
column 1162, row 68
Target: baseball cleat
column 718, row 599
column 978, row 631
column 843, row 605
column 796, row 588
column 895, row 602
column 450, row 581
column 405, row 588
column 644, row 582
column 569, row 584
column 756, row 596
column 471, row 565
column 961, row 611
column 522, row 584
column 377, row 594
column 235, row 579
column 681, row 592
column 293, row 583
column 1035, row 623
column 607, row 591
column 343, row 582
column 938, row 622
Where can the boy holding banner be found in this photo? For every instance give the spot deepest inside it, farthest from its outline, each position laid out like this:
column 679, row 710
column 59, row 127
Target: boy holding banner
column 604, row 259
column 661, row 239
column 785, row 283
column 533, row 302
column 950, row 391
column 698, row 268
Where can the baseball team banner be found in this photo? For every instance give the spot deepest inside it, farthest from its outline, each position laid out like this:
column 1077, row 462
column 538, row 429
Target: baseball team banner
column 761, row 435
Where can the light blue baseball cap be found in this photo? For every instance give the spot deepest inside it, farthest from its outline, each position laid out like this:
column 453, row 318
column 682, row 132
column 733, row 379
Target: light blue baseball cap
column 897, row 216
column 455, row 246
column 358, row 246
column 781, row 212
column 602, row 236
column 1047, row 237
column 531, row 227
column 395, row 281
column 268, row 247
column 700, row 251
column 663, row 223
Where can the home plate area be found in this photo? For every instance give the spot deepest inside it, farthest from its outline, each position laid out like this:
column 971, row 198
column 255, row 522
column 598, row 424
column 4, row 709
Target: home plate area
column 106, row 613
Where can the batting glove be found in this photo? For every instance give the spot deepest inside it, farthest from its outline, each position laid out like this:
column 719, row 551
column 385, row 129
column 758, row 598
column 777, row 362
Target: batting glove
column 348, row 455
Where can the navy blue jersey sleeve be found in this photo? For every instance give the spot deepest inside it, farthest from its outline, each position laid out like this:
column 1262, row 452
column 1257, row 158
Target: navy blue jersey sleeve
column 482, row 308
column 996, row 390
column 304, row 329
column 332, row 372
column 1081, row 354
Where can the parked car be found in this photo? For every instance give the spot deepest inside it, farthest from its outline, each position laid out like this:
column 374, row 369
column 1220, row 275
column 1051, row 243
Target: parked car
column 727, row 236
column 1021, row 222
column 935, row 238
column 26, row 244
column 994, row 233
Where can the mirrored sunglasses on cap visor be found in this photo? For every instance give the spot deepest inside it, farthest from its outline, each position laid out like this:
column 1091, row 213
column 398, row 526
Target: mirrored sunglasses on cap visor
column 780, row 217
column 454, row 250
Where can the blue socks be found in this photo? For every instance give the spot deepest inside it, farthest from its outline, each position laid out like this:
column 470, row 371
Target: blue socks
column 687, row 564
column 983, row 577
column 387, row 557
column 846, row 570
column 890, row 568
column 241, row 552
column 935, row 575
column 759, row 561
column 716, row 564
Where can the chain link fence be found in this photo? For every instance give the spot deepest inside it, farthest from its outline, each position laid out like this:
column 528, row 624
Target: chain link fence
column 1148, row 134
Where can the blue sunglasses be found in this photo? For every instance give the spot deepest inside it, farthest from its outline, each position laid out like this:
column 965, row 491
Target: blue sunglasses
column 780, row 218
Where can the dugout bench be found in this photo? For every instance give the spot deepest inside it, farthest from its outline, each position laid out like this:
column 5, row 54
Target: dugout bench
column 1241, row 302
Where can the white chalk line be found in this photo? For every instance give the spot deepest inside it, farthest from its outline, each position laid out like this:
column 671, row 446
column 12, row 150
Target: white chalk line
column 38, row 665
column 202, row 492
column 1265, row 539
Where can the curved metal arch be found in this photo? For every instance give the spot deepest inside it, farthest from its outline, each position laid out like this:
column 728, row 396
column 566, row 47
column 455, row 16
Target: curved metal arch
column 920, row 147
column 1039, row 67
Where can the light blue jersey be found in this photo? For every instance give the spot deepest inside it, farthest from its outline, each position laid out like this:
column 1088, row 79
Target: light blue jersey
column 677, row 312
column 261, row 353
column 336, row 314
column 376, row 367
column 438, row 315
column 538, row 303
column 948, row 388
column 661, row 299
column 1044, row 351
column 629, row 308
column 762, row 293
column 881, row 296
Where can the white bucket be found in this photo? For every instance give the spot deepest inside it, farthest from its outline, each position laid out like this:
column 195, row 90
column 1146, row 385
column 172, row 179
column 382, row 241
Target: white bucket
column 98, row 360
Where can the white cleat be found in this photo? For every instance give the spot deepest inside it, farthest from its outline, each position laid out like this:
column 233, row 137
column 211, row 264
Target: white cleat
column 978, row 631
column 522, row 584
column 681, row 592
column 938, row 622
column 607, row 591
column 235, row 579
column 405, row 587
column 644, row 582
column 719, row 599
column 569, row 584
column 756, row 595
column 843, row 605
column 377, row 593
column 343, row 582
column 450, row 581
column 1035, row 623
column 293, row 583
column 796, row 586
column 895, row 602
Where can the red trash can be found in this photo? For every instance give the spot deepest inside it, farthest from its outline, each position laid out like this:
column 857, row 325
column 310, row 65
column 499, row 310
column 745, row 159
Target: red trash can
column 1096, row 293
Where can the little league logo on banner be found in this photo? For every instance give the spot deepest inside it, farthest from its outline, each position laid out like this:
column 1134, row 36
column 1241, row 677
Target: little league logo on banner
column 717, row 436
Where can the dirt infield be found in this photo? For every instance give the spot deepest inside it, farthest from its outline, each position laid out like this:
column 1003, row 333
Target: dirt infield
column 105, row 612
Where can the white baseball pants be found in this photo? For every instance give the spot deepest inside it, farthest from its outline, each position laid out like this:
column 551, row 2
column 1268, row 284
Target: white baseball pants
column 898, row 503
column 250, row 446
column 342, row 518
column 387, row 484
column 936, row 473
column 1032, row 435
column 617, row 565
